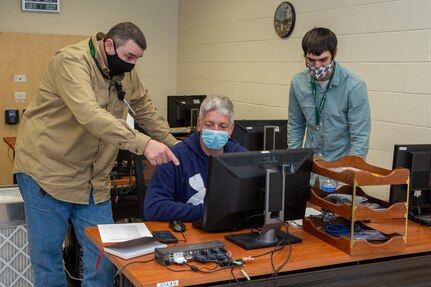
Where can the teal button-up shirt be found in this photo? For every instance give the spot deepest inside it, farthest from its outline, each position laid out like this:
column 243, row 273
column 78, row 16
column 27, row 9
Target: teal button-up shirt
column 345, row 121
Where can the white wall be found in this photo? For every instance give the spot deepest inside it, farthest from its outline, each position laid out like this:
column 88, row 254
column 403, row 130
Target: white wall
column 230, row 47
column 157, row 19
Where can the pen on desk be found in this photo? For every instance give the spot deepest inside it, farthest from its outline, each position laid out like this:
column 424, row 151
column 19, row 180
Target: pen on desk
column 130, row 108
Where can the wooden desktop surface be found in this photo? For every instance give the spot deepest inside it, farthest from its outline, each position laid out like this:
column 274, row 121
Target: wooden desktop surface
column 311, row 253
column 123, row 181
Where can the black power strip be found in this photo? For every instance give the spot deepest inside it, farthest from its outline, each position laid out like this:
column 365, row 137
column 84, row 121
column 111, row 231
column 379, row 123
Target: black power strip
column 187, row 252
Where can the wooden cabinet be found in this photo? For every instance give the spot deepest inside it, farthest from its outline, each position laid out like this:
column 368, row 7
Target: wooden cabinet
column 354, row 172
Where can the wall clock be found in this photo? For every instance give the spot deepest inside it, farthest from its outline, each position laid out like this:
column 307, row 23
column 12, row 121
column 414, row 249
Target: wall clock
column 284, row 19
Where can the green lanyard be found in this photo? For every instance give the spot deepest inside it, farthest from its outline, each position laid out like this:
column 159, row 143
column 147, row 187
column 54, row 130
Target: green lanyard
column 318, row 110
column 93, row 54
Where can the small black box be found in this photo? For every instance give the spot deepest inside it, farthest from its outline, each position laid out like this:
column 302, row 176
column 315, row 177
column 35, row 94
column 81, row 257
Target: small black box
column 11, row 116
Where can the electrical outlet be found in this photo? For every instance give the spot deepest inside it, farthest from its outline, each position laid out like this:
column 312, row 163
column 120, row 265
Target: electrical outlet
column 20, row 78
column 20, row 96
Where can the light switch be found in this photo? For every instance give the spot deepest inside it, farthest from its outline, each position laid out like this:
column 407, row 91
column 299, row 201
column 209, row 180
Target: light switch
column 20, row 96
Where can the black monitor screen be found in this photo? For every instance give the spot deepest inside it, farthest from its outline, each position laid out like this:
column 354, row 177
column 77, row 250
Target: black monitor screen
column 239, row 189
column 417, row 158
column 257, row 135
column 184, row 110
column 123, row 164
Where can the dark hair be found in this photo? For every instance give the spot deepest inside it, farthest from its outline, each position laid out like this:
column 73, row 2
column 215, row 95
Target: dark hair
column 122, row 32
column 318, row 40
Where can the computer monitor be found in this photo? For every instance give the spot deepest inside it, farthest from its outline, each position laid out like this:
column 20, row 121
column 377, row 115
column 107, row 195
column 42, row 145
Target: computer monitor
column 123, row 165
column 267, row 187
column 417, row 158
column 257, row 135
column 183, row 111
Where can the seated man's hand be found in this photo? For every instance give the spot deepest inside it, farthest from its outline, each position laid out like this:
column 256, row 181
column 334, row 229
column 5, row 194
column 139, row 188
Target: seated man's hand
column 158, row 153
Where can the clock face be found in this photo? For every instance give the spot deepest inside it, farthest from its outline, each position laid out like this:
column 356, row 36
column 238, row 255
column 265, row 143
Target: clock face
column 284, row 19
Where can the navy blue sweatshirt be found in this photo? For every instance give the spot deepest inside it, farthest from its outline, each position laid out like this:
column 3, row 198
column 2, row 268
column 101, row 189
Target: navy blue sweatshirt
column 177, row 192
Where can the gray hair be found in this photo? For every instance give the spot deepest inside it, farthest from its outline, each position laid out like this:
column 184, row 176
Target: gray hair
column 217, row 103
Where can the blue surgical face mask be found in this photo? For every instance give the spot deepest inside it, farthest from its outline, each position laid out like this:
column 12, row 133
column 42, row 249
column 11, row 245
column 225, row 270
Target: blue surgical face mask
column 214, row 140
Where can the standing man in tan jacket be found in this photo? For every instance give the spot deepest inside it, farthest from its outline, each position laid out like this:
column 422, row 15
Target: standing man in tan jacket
column 68, row 141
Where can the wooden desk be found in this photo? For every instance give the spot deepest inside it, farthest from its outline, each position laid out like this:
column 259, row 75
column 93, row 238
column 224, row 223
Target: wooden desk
column 124, row 180
column 312, row 263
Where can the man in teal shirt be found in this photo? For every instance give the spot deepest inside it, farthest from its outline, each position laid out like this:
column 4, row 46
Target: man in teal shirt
column 328, row 101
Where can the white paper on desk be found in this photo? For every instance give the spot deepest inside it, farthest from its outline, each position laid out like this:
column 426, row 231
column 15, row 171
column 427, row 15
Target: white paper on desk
column 308, row 211
column 122, row 232
column 133, row 248
column 342, row 168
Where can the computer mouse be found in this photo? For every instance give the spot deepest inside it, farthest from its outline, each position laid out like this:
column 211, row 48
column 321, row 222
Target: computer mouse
column 177, row 226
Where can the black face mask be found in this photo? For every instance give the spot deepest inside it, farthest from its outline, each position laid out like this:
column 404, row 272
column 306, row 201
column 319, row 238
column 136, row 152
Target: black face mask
column 116, row 65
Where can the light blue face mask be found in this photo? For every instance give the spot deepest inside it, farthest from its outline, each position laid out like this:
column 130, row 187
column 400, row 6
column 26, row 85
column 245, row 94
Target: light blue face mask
column 214, row 140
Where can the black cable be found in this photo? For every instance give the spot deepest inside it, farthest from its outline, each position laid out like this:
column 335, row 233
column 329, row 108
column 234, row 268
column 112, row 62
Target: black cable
column 181, row 240
column 196, row 269
column 277, row 248
column 130, row 263
column 211, row 269
column 220, row 258
column 233, row 274
column 184, row 237
column 246, row 220
column 175, row 270
column 134, row 262
column 283, row 244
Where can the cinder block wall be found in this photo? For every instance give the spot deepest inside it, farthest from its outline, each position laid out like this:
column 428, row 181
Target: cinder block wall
column 230, row 47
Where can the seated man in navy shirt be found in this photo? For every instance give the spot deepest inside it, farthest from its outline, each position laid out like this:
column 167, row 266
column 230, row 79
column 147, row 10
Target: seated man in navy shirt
column 177, row 192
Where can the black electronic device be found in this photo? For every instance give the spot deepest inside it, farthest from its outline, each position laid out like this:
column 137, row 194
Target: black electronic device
column 187, row 252
column 417, row 158
column 123, row 165
column 164, row 236
column 249, row 189
column 11, row 116
column 257, row 135
column 183, row 111
column 177, row 226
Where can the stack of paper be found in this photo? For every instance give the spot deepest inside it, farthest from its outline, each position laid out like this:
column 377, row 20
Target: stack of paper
column 133, row 239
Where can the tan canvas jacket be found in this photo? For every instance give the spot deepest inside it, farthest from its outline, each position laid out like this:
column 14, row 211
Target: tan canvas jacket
column 71, row 132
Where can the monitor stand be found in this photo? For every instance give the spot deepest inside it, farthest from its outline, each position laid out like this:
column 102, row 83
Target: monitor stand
column 271, row 234
column 252, row 240
column 269, row 137
column 194, row 114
